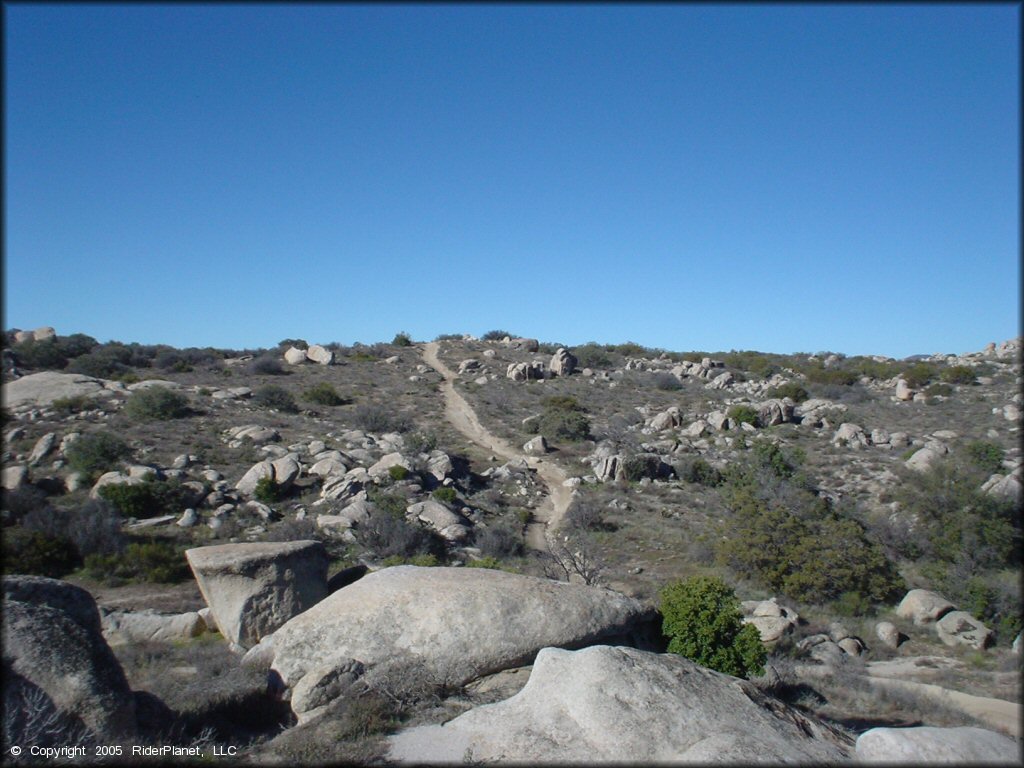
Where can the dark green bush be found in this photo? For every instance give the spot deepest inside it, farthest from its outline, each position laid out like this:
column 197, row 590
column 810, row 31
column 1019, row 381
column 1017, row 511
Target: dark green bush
column 157, row 404
column 790, row 389
column 92, row 528
column 592, row 355
column 819, row 374
column 379, row 419
column 275, row 398
column 985, row 455
column 563, row 418
column 387, row 534
column 401, row 339
column 266, row 365
column 497, row 335
column 701, row 617
column 743, row 414
column 938, row 390
column 150, row 498
column 323, row 394
column 107, row 361
column 39, row 355
column 95, row 453
column 37, row 554
column 398, row 473
column 636, row 468
column 700, row 472
column 958, row 374
column 919, row 375
column 421, row 442
column 499, row 541
column 445, row 494
column 158, row 562
column 268, row 491
column 666, row 381
column 74, row 404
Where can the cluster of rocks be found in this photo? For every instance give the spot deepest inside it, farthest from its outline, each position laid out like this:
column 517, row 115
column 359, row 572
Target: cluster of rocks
column 39, row 334
column 953, row 627
column 314, row 354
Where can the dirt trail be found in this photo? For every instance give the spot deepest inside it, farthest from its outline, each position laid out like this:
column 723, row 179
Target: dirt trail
column 1003, row 715
column 548, row 516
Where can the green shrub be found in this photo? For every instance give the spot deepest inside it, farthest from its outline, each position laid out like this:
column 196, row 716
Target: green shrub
column 323, row 394
column 421, row 442
column 401, row 340
column 486, row 562
column 985, row 455
column 37, row 554
column 105, row 362
column 423, row 561
column 636, row 468
column 700, row 472
column 497, row 335
column 268, row 490
column 819, row 374
column 918, row 375
column 666, row 381
column 74, row 404
column 266, row 366
column 498, row 541
column 378, row 419
column 790, row 389
column 95, row 453
column 94, row 527
column 701, row 617
column 743, row 414
column 150, row 498
column 938, row 390
column 592, row 355
column 445, row 494
column 563, row 418
column 45, row 354
column 276, row 398
column 156, row 403
column 958, row 374
column 158, row 562
column 398, row 473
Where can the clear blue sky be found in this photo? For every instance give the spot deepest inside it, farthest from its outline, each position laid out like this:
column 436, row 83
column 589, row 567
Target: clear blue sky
column 779, row 178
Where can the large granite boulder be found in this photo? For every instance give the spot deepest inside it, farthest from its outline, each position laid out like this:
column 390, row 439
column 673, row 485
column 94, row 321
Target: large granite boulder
column 622, row 705
column 927, row 744
column 452, row 624
column 41, row 389
column 54, row 654
column 960, row 628
column 252, row 589
column 563, row 362
column 923, row 607
column 121, row 627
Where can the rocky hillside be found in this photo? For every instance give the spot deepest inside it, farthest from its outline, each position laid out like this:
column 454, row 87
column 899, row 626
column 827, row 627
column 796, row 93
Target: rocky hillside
column 318, row 553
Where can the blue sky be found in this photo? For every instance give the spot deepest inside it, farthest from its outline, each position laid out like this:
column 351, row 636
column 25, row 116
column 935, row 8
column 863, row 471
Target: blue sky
column 692, row 177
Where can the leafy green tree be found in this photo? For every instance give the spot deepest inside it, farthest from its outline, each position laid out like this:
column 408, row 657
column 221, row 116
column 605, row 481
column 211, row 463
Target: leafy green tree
column 702, row 619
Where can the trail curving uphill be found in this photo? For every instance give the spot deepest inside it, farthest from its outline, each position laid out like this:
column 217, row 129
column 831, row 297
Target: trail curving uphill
column 548, row 516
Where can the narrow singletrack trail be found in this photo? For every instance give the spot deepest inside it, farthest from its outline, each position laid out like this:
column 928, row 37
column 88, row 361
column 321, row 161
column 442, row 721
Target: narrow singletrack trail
column 548, row 516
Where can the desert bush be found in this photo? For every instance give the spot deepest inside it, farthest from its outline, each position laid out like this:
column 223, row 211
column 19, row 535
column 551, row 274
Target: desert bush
column 157, row 561
column 387, row 535
column 401, row 339
column 39, row 355
column 266, row 365
column 106, row 361
column 38, row 554
column 700, row 472
column 293, row 529
column 423, row 561
column 497, row 335
column 790, row 389
column 398, row 473
column 985, row 455
column 150, row 498
column 323, row 394
column 268, row 491
column 819, row 374
column 92, row 528
column 938, row 390
column 632, row 349
column 958, row 374
column 666, row 381
column 743, row 414
column 491, row 563
column 918, row 375
column 65, row 406
column 448, row 337
column 275, row 398
column 701, row 617
column 420, row 442
column 592, row 355
column 563, row 418
column 156, row 403
column 21, row 502
column 639, row 466
column 757, row 363
column 379, row 419
column 95, row 453
column 498, row 541
column 445, row 494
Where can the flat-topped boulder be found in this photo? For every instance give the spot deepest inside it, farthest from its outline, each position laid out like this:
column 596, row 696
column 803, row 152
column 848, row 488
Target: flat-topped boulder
column 54, row 650
column 455, row 624
column 963, row 745
column 41, row 389
column 252, row 589
column 621, row 705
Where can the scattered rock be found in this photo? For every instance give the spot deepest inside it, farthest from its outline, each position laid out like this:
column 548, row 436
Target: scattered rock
column 294, row 356
column 923, row 606
column 319, row 354
column 120, row 627
column 890, row 636
column 960, row 628
column 563, row 362
column 536, row 446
